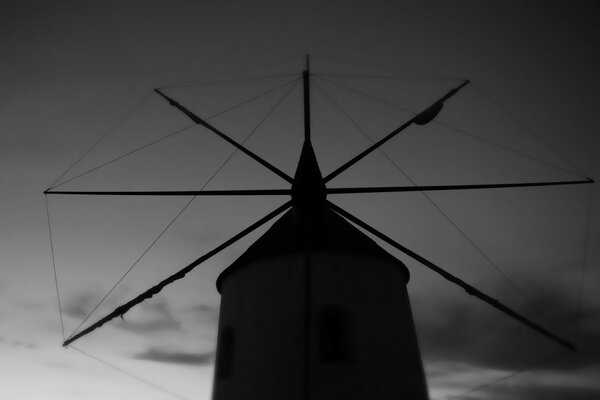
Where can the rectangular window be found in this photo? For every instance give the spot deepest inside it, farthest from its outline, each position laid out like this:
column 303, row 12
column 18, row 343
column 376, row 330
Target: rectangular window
column 334, row 335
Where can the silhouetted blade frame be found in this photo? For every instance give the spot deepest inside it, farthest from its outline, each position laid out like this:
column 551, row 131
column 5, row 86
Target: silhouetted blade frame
column 420, row 119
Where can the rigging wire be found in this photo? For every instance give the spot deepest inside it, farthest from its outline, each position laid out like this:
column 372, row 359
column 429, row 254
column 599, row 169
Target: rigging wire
column 560, row 155
column 266, row 116
column 528, row 368
column 145, row 146
column 104, row 164
column 343, row 61
column 62, row 325
column 442, row 212
column 251, row 99
column 103, row 137
column 455, row 129
column 530, row 130
column 586, row 240
column 131, row 375
column 225, row 81
column 387, row 77
column 156, row 239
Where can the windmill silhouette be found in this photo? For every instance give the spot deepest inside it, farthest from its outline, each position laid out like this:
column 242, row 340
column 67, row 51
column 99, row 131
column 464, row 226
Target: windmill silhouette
column 313, row 224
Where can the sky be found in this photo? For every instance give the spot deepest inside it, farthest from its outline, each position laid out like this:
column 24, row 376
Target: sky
column 73, row 71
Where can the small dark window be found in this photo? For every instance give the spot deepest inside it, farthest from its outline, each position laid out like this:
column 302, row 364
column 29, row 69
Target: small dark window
column 334, row 335
column 225, row 345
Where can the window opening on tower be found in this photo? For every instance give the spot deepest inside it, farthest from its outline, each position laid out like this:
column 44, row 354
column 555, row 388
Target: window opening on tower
column 334, row 335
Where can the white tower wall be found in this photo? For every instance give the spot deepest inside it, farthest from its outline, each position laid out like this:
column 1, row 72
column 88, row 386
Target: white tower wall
column 333, row 325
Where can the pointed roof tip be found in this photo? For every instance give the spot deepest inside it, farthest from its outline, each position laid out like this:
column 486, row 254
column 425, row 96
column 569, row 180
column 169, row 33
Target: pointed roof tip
column 322, row 231
column 308, row 186
column 308, row 161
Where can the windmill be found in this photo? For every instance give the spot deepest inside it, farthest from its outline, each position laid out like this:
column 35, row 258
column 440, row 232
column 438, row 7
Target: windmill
column 314, row 237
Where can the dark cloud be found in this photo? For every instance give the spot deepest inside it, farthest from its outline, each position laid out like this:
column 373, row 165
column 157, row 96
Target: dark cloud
column 205, row 312
column 477, row 335
column 153, row 317
column 25, row 344
column 79, row 305
column 149, row 317
column 174, row 357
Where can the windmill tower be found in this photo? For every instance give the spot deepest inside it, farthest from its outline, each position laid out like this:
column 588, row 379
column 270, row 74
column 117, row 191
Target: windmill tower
column 293, row 324
column 315, row 309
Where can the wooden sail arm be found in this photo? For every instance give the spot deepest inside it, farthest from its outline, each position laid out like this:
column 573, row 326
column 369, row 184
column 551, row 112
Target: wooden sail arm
column 457, row 281
column 422, row 118
column 119, row 311
column 427, row 188
column 306, row 99
column 196, row 119
column 243, row 192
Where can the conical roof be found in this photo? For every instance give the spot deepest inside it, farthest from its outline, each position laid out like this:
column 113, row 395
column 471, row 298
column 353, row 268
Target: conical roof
column 315, row 230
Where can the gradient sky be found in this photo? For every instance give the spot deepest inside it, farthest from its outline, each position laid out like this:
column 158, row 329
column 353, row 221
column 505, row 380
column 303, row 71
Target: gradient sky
column 72, row 70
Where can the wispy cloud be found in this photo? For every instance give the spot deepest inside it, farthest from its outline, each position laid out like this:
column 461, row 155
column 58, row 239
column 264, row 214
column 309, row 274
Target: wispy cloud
column 533, row 392
column 79, row 305
column 175, row 357
column 155, row 316
column 207, row 313
column 10, row 342
column 458, row 332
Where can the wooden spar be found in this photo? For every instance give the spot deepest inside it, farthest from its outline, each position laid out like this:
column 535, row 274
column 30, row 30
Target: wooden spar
column 243, row 192
column 284, row 192
column 419, row 118
column 384, row 189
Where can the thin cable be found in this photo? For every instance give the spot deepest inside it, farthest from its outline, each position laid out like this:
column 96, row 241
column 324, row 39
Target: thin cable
column 349, row 88
column 501, row 146
column 253, row 98
column 275, row 106
column 134, row 264
column 285, row 95
column 511, row 375
column 178, row 131
column 237, row 80
column 586, row 240
column 171, row 134
column 354, row 62
column 530, row 130
column 388, row 77
column 444, row 214
column 459, row 130
column 62, row 326
column 155, row 386
column 103, row 137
